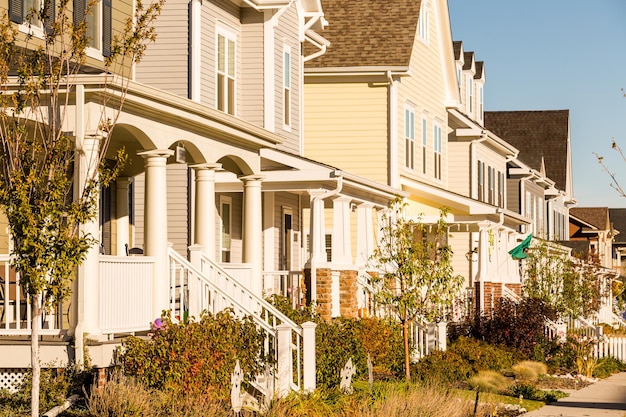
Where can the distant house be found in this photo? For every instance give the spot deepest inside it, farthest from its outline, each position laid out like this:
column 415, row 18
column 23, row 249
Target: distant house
column 617, row 217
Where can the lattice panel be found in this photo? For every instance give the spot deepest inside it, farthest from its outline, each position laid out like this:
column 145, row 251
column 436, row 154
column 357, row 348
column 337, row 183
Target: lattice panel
column 10, row 378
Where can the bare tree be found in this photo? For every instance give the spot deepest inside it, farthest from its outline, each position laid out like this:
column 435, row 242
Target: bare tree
column 38, row 73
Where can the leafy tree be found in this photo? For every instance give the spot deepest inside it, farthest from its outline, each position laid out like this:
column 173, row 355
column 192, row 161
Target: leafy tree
column 570, row 285
column 43, row 205
column 416, row 279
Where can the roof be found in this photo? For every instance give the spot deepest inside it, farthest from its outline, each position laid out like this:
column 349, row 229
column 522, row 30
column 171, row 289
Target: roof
column 368, row 33
column 457, row 46
column 618, row 218
column 540, row 136
column 596, row 216
column 468, row 57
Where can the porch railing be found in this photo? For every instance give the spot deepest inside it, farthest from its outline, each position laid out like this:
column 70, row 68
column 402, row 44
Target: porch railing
column 15, row 309
column 125, row 293
column 210, row 288
column 284, row 283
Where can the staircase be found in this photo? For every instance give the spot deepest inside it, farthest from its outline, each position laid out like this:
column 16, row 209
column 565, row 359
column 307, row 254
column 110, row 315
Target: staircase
column 202, row 285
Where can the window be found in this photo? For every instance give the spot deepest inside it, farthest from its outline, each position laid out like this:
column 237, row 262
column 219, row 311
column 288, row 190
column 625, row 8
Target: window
column 437, row 150
column 423, row 22
column 492, row 182
column 226, row 220
column 481, row 181
column 501, row 189
column 287, row 86
column 409, row 141
column 98, row 17
column 480, row 98
column 424, row 143
column 470, row 89
column 226, row 48
column 458, row 77
column 26, row 13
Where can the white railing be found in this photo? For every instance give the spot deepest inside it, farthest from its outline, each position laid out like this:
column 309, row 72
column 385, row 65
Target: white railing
column 614, row 347
column 15, row 309
column 125, row 293
column 618, row 319
column 555, row 330
column 365, row 296
column 510, row 294
column 582, row 326
column 283, row 283
column 212, row 289
column 426, row 337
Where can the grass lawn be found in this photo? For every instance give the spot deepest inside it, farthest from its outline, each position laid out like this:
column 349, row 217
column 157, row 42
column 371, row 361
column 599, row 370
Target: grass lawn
column 487, row 397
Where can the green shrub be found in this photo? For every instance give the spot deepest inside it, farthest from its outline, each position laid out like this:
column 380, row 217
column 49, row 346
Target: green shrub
column 382, row 340
column 530, row 392
column 489, row 381
column 336, row 342
column 608, row 366
column 445, row 367
column 195, row 357
column 483, row 356
column 529, row 370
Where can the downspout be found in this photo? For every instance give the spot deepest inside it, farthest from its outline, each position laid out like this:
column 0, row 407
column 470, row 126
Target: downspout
column 79, row 348
column 314, row 244
column 195, row 40
column 473, row 159
column 393, row 131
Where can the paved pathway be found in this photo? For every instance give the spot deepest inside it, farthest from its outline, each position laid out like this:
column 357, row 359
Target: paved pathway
column 605, row 398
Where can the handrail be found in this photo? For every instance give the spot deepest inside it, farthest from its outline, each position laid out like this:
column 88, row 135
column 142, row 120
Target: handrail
column 184, row 262
column 510, row 294
column 275, row 312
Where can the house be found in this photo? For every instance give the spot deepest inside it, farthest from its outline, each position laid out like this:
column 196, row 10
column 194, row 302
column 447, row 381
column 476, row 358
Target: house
column 593, row 226
column 217, row 207
column 617, row 217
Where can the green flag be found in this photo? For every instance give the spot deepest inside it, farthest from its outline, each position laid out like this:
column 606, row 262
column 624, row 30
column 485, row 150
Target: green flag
column 519, row 252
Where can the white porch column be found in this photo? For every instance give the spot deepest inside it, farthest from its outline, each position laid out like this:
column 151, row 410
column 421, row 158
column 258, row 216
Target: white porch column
column 123, row 234
column 483, row 253
column 204, row 222
column 342, row 245
column 253, row 229
column 89, row 269
column 317, row 231
column 365, row 234
column 155, row 218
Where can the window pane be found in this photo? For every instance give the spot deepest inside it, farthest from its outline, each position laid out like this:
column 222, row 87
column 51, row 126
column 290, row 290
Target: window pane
column 220, row 92
column 231, row 58
column 221, row 51
column 231, row 96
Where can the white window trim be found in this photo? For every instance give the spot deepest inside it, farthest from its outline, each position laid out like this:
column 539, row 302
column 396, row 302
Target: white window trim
column 91, row 51
column 409, row 137
column 228, row 34
column 30, row 29
column 438, row 149
column 424, row 134
column 423, row 22
column 287, row 102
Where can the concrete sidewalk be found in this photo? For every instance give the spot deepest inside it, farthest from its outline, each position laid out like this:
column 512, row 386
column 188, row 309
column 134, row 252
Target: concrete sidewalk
column 605, row 398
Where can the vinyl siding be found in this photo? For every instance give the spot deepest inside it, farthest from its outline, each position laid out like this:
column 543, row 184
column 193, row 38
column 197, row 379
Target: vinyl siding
column 346, row 127
column 138, row 204
column 461, row 243
column 460, row 173
column 227, row 15
column 252, row 108
column 425, row 91
column 512, row 195
column 236, row 249
column 287, row 33
column 165, row 64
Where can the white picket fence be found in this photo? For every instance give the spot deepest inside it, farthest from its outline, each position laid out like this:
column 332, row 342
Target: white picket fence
column 614, row 347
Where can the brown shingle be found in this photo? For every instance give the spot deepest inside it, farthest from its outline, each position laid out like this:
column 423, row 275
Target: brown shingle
column 540, row 134
column 368, row 33
column 469, row 60
column 618, row 218
column 596, row 216
column 457, row 45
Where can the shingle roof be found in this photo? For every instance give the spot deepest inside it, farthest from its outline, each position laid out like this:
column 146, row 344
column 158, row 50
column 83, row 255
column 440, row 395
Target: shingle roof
column 457, row 45
column 368, row 33
column 596, row 216
column 480, row 67
column 539, row 135
column 469, row 60
column 618, row 218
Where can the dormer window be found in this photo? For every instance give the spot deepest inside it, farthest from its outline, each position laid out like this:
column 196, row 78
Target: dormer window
column 437, row 150
column 286, row 86
column 470, row 89
column 423, row 22
column 409, row 138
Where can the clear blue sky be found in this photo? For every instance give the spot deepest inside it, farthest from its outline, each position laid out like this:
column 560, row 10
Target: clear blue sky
column 552, row 55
